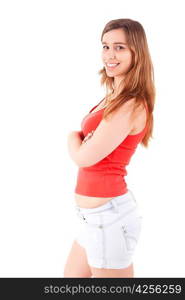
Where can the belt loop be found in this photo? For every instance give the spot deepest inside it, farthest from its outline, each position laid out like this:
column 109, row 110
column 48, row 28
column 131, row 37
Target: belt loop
column 115, row 205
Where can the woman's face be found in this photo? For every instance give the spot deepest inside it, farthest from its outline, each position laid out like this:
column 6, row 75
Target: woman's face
column 115, row 50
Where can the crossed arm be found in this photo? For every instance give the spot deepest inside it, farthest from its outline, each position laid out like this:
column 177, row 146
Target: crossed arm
column 107, row 137
column 75, row 140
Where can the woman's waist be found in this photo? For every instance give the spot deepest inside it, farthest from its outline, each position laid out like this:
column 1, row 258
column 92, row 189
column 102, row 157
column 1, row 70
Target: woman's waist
column 116, row 205
column 90, row 202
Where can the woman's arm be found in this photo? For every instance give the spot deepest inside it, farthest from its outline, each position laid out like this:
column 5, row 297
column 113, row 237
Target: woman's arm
column 75, row 140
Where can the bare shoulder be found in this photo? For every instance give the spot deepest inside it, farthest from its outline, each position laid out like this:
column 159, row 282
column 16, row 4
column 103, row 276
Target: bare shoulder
column 124, row 109
column 140, row 118
column 130, row 108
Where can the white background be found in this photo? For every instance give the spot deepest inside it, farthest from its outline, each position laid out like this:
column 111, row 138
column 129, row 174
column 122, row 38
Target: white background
column 50, row 55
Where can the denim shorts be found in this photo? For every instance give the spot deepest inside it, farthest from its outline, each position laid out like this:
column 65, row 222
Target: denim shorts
column 110, row 232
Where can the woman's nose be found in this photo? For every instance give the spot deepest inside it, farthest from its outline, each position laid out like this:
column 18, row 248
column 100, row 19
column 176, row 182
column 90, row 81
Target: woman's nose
column 111, row 54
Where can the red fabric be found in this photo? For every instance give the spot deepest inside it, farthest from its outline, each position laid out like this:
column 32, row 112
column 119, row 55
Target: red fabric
column 106, row 178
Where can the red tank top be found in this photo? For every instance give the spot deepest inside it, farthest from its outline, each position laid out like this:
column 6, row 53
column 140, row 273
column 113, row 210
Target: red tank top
column 107, row 177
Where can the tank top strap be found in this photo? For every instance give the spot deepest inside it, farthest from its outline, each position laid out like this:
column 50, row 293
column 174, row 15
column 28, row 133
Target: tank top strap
column 96, row 105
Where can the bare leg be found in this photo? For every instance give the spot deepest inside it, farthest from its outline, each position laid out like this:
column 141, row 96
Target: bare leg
column 109, row 273
column 77, row 265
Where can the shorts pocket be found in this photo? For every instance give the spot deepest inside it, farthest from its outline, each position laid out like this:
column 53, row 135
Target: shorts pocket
column 131, row 232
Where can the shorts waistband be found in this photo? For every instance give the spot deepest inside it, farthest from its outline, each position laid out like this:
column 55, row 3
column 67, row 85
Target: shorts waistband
column 115, row 202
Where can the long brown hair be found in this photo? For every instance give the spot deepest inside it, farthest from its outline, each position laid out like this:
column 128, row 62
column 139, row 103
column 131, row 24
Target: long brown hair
column 139, row 80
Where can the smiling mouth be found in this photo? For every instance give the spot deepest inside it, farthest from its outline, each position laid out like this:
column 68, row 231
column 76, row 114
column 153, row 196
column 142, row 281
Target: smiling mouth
column 111, row 67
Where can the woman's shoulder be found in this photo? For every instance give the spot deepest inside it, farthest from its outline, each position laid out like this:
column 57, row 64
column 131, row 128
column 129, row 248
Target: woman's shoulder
column 140, row 118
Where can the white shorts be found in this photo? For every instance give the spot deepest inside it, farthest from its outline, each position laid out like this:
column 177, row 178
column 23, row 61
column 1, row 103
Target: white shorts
column 110, row 232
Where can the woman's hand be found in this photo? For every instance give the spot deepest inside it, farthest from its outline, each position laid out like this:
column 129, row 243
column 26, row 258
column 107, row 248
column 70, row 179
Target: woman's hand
column 88, row 136
column 80, row 134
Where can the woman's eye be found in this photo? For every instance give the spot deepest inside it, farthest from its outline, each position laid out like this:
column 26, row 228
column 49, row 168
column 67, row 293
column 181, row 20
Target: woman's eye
column 116, row 47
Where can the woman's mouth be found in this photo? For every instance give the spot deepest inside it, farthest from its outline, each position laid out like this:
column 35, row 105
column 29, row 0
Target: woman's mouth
column 111, row 66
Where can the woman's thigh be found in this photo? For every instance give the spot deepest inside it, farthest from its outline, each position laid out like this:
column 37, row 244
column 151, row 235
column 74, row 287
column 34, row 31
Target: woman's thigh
column 76, row 264
column 110, row 273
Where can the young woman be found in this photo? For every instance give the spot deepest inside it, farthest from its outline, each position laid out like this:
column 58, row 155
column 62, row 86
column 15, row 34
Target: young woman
column 110, row 135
